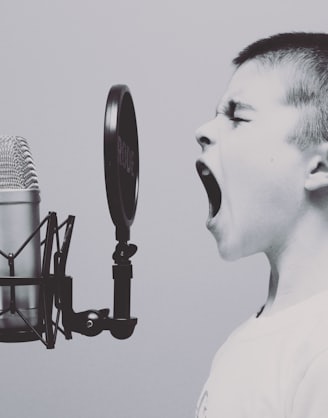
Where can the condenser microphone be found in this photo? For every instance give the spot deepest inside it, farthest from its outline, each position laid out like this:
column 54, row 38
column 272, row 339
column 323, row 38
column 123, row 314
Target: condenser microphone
column 31, row 290
column 19, row 219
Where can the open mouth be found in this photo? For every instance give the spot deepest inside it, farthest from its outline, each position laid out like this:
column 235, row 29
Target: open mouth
column 211, row 186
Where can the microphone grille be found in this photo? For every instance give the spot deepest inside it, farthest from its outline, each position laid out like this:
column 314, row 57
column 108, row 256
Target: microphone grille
column 17, row 170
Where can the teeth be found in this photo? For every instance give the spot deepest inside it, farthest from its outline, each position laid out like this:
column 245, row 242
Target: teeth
column 205, row 171
column 211, row 186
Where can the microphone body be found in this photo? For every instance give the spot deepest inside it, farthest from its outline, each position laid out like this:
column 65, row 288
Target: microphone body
column 19, row 218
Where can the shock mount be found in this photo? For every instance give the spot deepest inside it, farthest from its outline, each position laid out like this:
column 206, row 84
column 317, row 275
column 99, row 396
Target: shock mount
column 56, row 289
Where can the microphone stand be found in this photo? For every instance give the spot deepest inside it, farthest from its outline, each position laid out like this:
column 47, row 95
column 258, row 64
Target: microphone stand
column 57, row 290
column 92, row 322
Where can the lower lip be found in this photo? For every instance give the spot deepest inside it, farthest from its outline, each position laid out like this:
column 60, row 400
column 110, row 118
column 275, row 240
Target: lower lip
column 210, row 222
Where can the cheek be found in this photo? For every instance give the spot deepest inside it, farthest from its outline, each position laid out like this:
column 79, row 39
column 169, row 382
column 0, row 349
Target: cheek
column 262, row 179
column 243, row 167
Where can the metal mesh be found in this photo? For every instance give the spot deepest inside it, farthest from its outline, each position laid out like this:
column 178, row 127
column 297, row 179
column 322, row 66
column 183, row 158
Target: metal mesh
column 17, row 169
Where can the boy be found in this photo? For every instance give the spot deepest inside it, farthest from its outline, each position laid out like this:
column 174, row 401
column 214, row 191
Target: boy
column 264, row 164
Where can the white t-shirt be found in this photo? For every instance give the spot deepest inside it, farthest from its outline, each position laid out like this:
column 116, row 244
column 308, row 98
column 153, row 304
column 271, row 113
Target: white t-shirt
column 272, row 367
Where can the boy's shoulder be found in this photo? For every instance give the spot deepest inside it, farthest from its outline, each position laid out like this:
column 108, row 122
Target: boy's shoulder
column 288, row 341
column 268, row 360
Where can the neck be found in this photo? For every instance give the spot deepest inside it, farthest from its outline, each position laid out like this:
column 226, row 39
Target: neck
column 299, row 269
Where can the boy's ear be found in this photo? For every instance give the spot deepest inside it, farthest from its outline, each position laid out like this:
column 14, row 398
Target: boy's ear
column 317, row 173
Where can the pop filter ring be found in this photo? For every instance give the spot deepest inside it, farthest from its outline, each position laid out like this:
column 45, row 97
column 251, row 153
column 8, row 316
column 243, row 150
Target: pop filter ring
column 121, row 159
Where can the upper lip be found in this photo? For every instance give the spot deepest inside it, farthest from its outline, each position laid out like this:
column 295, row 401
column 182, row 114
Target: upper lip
column 211, row 186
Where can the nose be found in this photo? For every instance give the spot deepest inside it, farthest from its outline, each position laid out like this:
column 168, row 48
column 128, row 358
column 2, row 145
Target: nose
column 205, row 135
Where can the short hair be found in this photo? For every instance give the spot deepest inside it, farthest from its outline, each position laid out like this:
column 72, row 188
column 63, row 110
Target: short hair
column 307, row 54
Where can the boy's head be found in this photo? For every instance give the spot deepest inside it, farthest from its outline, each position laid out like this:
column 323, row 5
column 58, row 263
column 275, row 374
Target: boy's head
column 305, row 55
column 266, row 149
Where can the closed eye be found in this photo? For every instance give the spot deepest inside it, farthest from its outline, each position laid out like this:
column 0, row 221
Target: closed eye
column 237, row 120
column 232, row 117
column 229, row 111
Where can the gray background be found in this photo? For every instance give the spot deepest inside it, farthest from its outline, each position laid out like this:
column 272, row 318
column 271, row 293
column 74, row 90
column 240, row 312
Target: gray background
column 58, row 60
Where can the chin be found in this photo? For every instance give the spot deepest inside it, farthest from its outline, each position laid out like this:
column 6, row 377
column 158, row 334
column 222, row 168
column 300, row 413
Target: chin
column 228, row 255
column 232, row 243
column 232, row 251
column 226, row 252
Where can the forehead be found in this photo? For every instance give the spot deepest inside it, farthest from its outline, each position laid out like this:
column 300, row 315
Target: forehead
column 258, row 85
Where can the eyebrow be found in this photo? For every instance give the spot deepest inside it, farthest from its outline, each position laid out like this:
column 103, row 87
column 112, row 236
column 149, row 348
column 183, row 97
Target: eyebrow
column 231, row 106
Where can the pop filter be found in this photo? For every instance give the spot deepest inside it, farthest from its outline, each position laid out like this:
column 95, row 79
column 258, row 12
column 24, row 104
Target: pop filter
column 121, row 159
